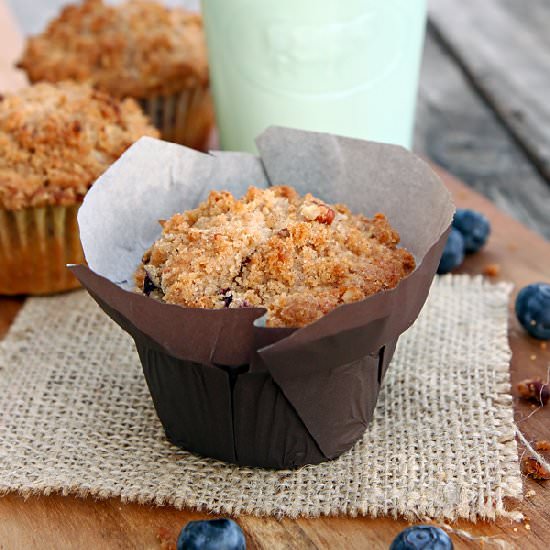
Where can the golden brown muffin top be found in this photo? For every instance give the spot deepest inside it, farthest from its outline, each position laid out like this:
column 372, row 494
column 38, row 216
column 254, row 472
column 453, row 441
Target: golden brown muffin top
column 139, row 49
column 296, row 256
column 56, row 140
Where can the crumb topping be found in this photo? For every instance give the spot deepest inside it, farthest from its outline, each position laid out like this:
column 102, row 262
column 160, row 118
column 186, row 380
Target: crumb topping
column 296, row 256
column 139, row 48
column 56, row 140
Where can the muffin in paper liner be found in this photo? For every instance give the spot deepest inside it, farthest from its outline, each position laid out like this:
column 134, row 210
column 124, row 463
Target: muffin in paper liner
column 56, row 139
column 35, row 246
column 223, row 384
column 141, row 49
column 186, row 117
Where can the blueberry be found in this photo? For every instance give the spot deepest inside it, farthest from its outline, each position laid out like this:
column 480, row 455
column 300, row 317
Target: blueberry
column 533, row 310
column 474, row 226
column 226, row 296
column 213, row 534
column 422, row 537
column 148, row 285
column 453, row 254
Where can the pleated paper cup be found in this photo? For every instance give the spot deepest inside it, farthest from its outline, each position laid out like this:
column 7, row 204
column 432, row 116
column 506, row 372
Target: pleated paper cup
column 223, row 384
column 36, row 244
column 186, row 118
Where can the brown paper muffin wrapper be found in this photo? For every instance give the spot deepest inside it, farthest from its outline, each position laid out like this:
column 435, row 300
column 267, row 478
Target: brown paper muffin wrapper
column 186, row 118
column 224, row 385
column 36, row 244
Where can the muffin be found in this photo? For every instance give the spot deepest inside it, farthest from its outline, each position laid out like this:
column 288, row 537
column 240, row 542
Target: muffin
column 137, row 49
column 296, row 256
column 55, row 141
column 224, row 385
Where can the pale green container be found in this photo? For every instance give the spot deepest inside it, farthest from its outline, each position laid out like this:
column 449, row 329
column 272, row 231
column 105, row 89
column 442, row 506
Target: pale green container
column 348, row 67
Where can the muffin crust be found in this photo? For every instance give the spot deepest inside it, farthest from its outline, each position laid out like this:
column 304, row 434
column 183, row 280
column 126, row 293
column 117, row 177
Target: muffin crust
column 56, row 140
column 296, row 256
column 139, row 48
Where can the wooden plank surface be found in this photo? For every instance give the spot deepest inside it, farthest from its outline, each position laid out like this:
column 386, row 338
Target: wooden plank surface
column 67, row 522
column 456, row 129
column 504, row 46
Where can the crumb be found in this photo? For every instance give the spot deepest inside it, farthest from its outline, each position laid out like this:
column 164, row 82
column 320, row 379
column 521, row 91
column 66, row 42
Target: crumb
column 542, row 445
column 543, row 345
column 491, row 270
column 531, row 467
column 533, row 357
column 137, row 49
column 534, row 390
column 296, row 256
column 528, row 527
column 530, row 493
column 515, row 529
column 56, row 140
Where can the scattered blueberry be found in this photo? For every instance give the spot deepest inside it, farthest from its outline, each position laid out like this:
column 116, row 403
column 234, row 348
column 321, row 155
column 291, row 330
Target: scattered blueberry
column 474, row 226
column 533, row 310
column 422, row 537
column 213, row 534
column 453, row 254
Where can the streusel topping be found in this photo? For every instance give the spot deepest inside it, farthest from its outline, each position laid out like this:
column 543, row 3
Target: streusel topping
column 56, row 140
column 296, row 256
column 139, row 48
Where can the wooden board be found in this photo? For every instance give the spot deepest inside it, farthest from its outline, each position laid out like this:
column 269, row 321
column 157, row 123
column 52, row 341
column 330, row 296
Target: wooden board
column 504, row 47
column 67, row 522
column 456, row 129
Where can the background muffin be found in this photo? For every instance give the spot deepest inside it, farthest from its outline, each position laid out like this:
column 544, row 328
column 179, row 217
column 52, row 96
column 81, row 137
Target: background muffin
column 296, row 256
column 138, row 49
column 55, row 141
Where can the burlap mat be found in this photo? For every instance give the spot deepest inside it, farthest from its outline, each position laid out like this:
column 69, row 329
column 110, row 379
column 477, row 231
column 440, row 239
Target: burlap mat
column 76, row 418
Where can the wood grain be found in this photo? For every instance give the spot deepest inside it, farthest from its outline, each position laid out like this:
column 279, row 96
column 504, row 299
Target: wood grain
column 456, row 129
column 68, row 522
column 503, row 46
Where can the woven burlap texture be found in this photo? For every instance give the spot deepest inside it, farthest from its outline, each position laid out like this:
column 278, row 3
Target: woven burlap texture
column 76, row 418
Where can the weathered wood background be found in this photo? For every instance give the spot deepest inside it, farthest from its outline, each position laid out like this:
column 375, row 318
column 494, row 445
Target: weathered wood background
column 484, row 101
column 484, row 98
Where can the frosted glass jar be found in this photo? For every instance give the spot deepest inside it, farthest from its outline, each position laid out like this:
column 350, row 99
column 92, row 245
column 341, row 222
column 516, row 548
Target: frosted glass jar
column 343, row 66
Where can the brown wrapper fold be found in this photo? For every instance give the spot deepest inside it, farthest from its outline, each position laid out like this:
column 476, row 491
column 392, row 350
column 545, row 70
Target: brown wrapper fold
column 186, row 118
column 35, row 246
column 224, row 385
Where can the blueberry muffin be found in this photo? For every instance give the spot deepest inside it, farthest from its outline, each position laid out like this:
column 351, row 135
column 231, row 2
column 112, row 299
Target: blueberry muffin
column 138, row 49
column 296, row 256
column 55, row 141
